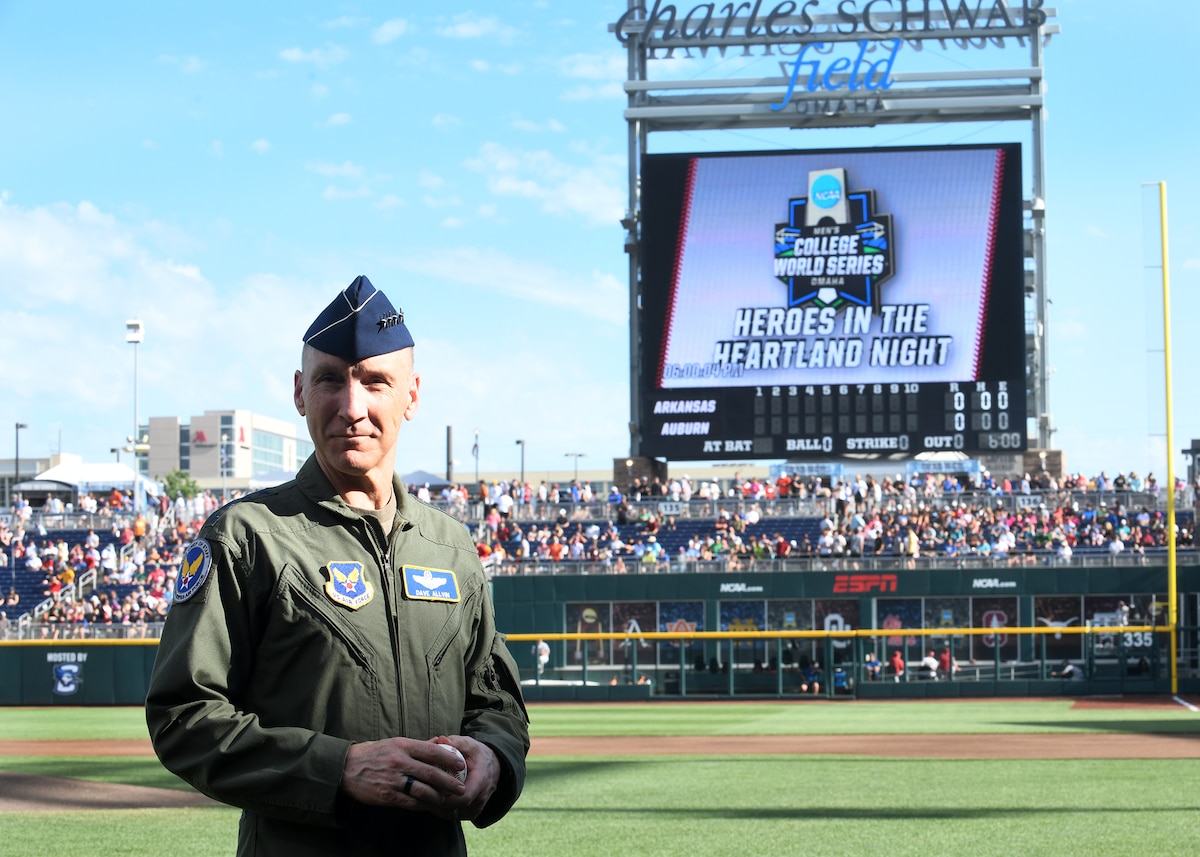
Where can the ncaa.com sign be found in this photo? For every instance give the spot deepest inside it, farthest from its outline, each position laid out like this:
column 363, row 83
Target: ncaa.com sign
column 730, row 588
column 992, row 583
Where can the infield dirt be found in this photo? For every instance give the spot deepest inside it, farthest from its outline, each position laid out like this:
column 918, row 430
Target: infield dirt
column 30, row 793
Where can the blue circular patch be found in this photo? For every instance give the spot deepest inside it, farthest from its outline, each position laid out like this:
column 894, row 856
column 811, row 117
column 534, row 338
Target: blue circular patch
column 827, row 191
column 197, row 560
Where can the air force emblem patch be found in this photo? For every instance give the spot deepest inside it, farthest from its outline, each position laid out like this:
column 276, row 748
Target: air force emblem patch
column 430, row 584
column 193, row 570
column 348, row 585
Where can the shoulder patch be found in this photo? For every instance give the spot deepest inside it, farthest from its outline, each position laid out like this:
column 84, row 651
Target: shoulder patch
column 348, row 584
column 193, row 571
column 430, row 584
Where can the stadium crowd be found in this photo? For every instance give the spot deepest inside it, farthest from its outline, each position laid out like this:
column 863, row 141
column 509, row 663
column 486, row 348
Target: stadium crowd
column 130, row 559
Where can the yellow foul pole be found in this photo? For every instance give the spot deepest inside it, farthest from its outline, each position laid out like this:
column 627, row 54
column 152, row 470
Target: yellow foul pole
column 1172, row 594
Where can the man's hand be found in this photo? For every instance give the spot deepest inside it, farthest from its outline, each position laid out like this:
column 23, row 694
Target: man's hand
column 400, row 772
column 483, row 776
column 418, row 775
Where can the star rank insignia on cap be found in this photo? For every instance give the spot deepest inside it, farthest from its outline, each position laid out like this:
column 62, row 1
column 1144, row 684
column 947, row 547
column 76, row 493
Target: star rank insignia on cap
column 391, row 320
column 348, row 585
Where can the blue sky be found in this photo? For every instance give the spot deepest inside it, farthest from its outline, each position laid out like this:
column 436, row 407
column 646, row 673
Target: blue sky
column 221, row 170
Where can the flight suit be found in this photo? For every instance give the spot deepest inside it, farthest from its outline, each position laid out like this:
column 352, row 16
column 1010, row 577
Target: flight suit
column 299, row 629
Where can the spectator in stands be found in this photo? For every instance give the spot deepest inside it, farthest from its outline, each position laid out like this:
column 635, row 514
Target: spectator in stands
column 896, row 664
column 929, row 666
column 872, row 669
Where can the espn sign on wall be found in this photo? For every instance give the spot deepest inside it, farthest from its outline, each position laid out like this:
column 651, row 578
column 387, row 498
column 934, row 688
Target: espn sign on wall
column 862, row 584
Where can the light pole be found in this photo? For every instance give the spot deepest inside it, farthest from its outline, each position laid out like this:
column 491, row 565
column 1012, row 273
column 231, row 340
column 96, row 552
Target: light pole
column 117, row 451
column 576, row 456
column 475, row 453
column 224, row 467
column 521, row 444
column 135, row 334
column 12, row 492
column 12, row 562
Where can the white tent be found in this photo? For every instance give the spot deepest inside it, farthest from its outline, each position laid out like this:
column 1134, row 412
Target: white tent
column 98, row 478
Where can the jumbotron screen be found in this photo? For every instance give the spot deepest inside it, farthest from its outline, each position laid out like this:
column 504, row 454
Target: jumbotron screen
column 828, row 303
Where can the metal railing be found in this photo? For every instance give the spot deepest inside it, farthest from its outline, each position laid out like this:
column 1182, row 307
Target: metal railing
column 732, row 564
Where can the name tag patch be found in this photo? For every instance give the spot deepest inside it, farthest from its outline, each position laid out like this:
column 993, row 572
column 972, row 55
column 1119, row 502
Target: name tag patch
column 430, row 584
column 348, row 584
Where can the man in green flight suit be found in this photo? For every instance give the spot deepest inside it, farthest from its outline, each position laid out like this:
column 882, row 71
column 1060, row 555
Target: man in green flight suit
column 331, row 648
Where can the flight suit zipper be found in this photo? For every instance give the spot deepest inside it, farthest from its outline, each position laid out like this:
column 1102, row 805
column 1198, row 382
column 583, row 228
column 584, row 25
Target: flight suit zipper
column 383, row 555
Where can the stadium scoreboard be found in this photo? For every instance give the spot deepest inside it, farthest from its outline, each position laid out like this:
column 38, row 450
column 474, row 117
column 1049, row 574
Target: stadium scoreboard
column 830, row 303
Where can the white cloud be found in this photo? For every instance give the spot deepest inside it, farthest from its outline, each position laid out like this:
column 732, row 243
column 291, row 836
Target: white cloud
column 217, row 148
column 336, row 193
column 453, row 222
column 598, row 295
column 467, row 25
column 429, row 180
column 595, row 192
column 187, row 65
column 76, row 273
column 338, row 119
column 1190, row 264
column 389, row 31
column 606, row 66
column 320, row 90
column 260, row 147
column 389, row 201
column 346, row 169
column 345, row 23
column 550, row 125
column 445, row 120
column 602, row 92
column 441, row 201
column 317, row 56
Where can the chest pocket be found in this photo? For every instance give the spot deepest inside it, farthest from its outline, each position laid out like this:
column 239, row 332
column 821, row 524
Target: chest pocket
column 446, row 664
column 316, row 666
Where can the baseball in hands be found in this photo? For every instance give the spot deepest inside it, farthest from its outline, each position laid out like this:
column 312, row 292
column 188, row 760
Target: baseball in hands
column 460, row 770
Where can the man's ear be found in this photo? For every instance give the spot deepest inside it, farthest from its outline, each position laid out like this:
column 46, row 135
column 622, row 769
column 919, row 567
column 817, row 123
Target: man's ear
column 298, row 392
column 414, row 397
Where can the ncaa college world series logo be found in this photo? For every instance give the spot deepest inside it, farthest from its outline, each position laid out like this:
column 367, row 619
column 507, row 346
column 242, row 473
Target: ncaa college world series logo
column 834, row 249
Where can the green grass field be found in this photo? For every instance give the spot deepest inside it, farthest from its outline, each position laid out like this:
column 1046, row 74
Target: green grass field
column 734, row 805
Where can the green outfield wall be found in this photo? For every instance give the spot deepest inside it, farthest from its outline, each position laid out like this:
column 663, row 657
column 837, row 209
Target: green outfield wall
column 1059, row 601
column 75, row 672
column 1021, row 623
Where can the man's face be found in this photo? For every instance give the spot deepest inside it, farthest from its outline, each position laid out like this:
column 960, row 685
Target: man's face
column 354, row 410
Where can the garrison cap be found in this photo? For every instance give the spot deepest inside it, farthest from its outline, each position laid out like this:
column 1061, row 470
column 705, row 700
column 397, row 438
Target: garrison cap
column 360, row 323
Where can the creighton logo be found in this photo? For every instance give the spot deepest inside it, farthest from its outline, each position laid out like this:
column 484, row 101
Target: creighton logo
column 347, row 585
column 834, row 249
column 67, row 678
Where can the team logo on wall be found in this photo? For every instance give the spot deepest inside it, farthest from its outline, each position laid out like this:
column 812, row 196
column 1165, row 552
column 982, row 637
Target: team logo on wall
column 835, row 248
column 67, row 678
